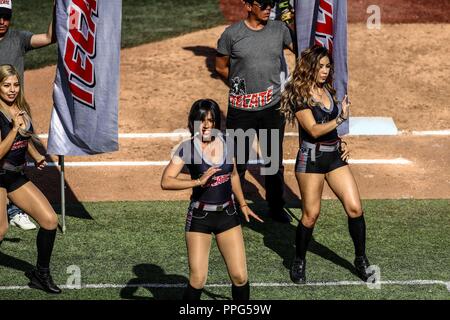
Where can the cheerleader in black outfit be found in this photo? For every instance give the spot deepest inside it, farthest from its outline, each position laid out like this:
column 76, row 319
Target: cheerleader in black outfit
column 15, row 141
column 310, row 98
column 214, row 180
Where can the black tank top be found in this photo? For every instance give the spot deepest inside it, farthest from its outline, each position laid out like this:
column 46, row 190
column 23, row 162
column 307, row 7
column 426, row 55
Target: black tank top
column 218, row 190
column 16, row 155
column 321, row 115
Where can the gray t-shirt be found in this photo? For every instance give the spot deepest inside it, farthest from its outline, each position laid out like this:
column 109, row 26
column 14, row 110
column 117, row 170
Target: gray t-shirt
column 13, row 47
column 255, row 63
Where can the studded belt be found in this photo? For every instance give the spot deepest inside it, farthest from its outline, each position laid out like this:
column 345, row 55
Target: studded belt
column 210, row 207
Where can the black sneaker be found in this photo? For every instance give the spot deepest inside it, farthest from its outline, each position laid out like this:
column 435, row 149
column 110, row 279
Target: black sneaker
column 280, row 215
column 298, row 270
column 42, row 280
column 362, row 264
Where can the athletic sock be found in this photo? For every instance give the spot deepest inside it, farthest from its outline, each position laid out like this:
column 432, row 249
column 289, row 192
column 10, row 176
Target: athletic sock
column 302, row 239
column 357, row 229
column 44, row 242
column 241, row 293
column 191, row 293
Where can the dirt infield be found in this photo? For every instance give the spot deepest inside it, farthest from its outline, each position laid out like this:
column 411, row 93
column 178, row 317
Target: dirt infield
column 392, row 11
column 399, row 71
column 427, row 177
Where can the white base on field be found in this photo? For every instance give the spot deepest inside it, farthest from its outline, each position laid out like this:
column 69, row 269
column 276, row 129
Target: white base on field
column 372, row 126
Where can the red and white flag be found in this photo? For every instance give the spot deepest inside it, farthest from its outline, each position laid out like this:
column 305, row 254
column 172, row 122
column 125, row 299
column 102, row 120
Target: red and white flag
column 86, row 90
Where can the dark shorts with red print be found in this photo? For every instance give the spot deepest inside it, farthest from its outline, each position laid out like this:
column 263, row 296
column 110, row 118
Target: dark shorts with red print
column 212, row 221
column 324, row 161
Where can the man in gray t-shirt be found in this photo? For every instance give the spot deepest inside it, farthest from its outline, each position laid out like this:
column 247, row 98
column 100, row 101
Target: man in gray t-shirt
column 249, row 55
column 14, row 44
column 254, row 63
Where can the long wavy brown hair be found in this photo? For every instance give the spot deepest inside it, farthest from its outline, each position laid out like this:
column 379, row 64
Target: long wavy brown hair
column 6, row 71
column 298, row 89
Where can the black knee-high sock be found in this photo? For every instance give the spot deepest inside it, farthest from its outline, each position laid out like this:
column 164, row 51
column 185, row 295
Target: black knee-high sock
column 303, row 236
column 44, row 242
column 241, row 293
column 357, row 229
column 192, row 294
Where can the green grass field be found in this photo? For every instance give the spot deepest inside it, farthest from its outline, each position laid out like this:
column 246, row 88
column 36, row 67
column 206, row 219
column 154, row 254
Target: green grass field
column 143, row 243
column 143, row 21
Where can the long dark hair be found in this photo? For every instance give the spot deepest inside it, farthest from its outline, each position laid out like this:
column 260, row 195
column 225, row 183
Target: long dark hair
column 298, row 89
column 199, row 111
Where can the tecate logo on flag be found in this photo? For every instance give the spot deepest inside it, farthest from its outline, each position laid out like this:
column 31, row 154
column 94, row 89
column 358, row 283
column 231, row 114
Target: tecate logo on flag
column 80, row 50
column 86, row 91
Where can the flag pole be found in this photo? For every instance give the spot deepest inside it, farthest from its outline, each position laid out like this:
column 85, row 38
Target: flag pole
column 63, row 194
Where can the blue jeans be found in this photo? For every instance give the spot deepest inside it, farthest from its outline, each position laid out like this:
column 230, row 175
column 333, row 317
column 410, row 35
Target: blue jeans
column 12, row 210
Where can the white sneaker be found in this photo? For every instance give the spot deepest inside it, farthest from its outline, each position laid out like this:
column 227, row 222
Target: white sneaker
column 22, row 221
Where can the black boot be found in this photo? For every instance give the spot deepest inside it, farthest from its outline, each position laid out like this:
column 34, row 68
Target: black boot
column 40, row 278
column 191, row 293
column 298, row 271
column 362, row 265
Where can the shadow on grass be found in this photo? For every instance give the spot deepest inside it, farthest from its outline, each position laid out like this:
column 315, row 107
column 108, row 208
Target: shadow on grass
column 12, row 240
column 14, row 263
column 75, row 210
column 324, row 252
column 280, row 238
column 160, row 285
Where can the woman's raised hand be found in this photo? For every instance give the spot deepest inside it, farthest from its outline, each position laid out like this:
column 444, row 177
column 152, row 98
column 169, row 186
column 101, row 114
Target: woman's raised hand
column 18, row 120
column 345, row 108
column 208, row 174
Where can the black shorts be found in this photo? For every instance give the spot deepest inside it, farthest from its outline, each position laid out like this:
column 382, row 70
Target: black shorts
column 212, row 221
column 11, row 180
column 325, row 161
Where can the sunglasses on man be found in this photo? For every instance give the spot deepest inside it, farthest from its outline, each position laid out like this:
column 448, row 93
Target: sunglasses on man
column 265, row 4
column 5, row 16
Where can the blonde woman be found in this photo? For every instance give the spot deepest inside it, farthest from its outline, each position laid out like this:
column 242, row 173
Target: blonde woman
column 310, row 98
column 16, row 131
